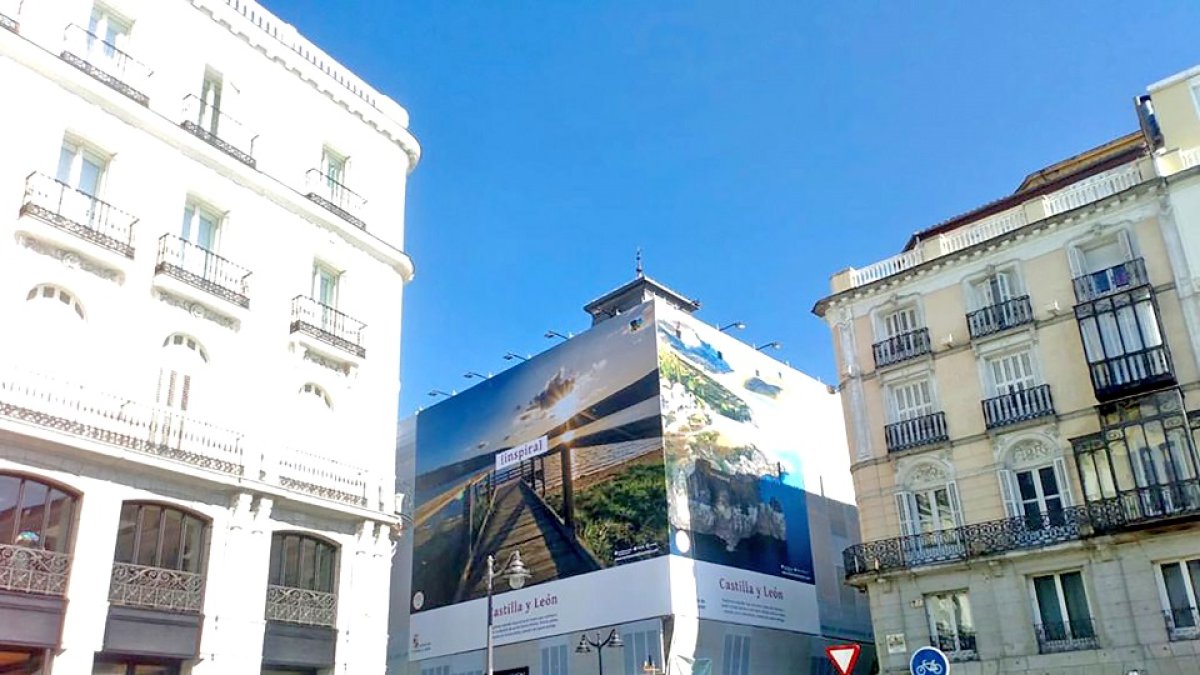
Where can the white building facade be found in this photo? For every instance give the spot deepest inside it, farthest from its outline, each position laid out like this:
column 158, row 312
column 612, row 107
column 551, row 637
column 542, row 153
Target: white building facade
column 202, row 226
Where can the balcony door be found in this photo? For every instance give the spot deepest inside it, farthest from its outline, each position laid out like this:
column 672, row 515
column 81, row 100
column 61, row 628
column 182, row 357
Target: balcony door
column 199, row 241
column 325, row 291
column 106, row 41
column 82, row 172
column 929, row 518
column 1012, row 373
column 912, row 400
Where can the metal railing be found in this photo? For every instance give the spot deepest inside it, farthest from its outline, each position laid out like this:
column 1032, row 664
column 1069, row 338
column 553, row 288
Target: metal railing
column 1131, row 372
column 1018, row 406
column 1066, row 636
column 1127, row 275
column 336, row 197
column 78, row 213
column 1092, row 189
column 79, row 410
column 1149, row 504
column 218, row 129
column 958, row 646
column 103, row 61
column 200, row 267
column 328, row 325
column 33, row 570
column 156, row 588
column 1000, row 316
column 322, row 477
column 301, row 605
column 901, row 347
column 916, row 432
column 1183, row 623
column 992, row 537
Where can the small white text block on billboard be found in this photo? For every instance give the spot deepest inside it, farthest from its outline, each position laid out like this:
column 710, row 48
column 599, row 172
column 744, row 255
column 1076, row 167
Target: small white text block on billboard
column 514, row 455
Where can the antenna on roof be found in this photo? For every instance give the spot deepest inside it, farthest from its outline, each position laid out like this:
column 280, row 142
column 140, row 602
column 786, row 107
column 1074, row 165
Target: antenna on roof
column 640, row 270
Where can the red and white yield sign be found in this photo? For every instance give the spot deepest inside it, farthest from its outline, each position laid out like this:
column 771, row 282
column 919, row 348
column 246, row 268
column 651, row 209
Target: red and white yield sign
column 843, row 657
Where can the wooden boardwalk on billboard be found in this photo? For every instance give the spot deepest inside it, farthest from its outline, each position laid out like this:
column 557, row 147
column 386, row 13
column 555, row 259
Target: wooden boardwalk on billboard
column 521, row 520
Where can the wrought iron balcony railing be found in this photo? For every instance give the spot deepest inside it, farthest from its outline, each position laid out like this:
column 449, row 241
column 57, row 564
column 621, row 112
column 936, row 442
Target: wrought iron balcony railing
column 1146, row 505
column 338, row 198
column 300, row 605
column 1066, row 636
column 901, row 347
column 156, row 588
column 1018, row 406
column 200, row 267
column 1183, row 623
column 1132, row 373
column 977, row 540
column 918, row 431
column 71, row 408
column 1000, row 317
column 327, row 325
column 33, row 570
column 207, row 122
column 78, row 213
column 1127, row 275
column 103, row 61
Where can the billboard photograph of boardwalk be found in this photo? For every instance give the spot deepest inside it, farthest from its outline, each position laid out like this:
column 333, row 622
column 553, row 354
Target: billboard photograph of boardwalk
column 560, row 457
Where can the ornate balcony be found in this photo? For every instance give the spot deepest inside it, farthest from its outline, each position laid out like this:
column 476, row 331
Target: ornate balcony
column 1000, row 317
column 923, row 430
column 901, row 347
column 208, row 123
column 1146, row 506
column 1127, row 275
column 1018, row 406
column 300, row 605
column 33, row 570
column 103, row 61
column 327, row 325
column 79, row 214
column 341, row 200
column 81, row 411
column 323, row 477
column 1066, row 636
column 156, row 588
column 202, row 269
column 1132, row 373
column 1183, row 623
column 978, row 540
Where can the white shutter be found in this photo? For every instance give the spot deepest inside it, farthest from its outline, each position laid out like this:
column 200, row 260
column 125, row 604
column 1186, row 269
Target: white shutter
column 1008, row 492
column 1012, row 372
column 955, row 508
column 904, row 509
column 1126, row 244
column 1064, row 485
column 1077, row 261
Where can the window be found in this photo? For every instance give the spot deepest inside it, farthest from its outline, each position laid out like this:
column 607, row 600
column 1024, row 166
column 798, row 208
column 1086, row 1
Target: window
column 1104, row 254
column 81, row 168
column 184, row 357
column 638, row 646
column 900, row 322
column 108, row 34
column 554, row 660
column 1123, row 339
column 1011, row 373
column 436, row 670
column 333, row 166
column 1061, row 607
column 325, row 285
column 210, row 102
column 301, row 561
column 1179, row 583
column 911, row 400
column 995, row 289
column 200, row 225
column 736, row 658
column 314, row 392
column 929, row 510
column 35, row 514
column 951, row 628
column 46, row 292
column 152, row 535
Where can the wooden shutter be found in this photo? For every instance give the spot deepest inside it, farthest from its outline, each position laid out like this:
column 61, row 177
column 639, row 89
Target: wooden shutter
column 955, row 507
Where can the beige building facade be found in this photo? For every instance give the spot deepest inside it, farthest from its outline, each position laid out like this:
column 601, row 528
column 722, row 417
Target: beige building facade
column 1023, row 408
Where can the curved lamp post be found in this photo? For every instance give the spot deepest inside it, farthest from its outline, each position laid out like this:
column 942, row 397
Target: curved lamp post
column 517, row 574
column 613, row 641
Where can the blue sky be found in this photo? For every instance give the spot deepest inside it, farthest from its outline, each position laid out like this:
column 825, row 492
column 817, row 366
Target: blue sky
column 750, row 149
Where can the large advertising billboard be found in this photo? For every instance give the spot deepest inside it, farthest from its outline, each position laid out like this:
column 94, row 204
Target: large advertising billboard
column 650, row 466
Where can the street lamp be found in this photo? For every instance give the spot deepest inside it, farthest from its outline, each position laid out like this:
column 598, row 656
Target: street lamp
column 550, row 334
column 517, row 574
column 613, row 641
column 773, row 344
column 510, row 356
column 438, row 392
column 736, row 324
column 649, row 668
column 472, row 374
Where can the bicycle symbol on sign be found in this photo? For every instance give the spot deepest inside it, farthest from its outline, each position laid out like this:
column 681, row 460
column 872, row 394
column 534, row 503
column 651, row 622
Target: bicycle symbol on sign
column 928, row 667
column 929, row 661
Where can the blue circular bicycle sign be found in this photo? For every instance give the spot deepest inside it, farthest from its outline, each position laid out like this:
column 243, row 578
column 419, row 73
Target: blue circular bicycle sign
column 929, row 661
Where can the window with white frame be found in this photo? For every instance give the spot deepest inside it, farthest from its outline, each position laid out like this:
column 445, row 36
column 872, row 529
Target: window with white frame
column 210, row 101
column 201, row 224
column 56, row 299
column 1061, row 607
column 333, row 166
column 736, row 657
column 996, row 288
column 900, row 321
column 911, row 399
column 1011, row 372
column 183, row 359
column 1179, row 582
column 1119, row 326
column 81, row 167
column 108, row 35
column 325, row 285
column 925, row 510
column 951, row 627
column 554, row 660
column 1102, row 254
